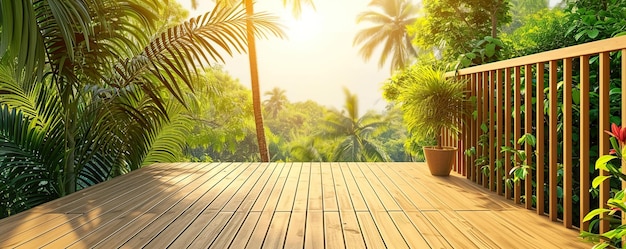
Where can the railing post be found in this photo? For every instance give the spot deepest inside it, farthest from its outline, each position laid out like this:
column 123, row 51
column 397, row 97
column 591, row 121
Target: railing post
column 623, row 113
column 485, row 89
column 500, row 132
column 518, row 127
column 605, row 68
column 540, row 124
column 492, row 131
column 473, row 127
column 479, row 121
column 507, row 127
column 567, row 143
column 585, row 183
column 553, row 141
column 528, row 117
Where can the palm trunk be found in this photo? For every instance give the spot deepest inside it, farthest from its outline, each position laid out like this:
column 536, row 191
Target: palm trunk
column 440, row 139
column 256, row 92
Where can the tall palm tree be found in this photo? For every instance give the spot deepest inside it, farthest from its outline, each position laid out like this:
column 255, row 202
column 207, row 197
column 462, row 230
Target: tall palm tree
column 97, row 105
column 390, row 19
column 276, row 102
column 254, row 72
column 355, row 133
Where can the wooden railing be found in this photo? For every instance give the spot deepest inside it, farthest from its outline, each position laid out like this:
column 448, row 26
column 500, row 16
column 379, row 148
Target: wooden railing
column 504, row 92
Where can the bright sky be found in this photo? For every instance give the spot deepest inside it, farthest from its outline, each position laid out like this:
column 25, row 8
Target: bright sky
column 317, row 60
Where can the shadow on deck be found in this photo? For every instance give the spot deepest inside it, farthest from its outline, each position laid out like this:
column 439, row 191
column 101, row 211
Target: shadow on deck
column 284, row 205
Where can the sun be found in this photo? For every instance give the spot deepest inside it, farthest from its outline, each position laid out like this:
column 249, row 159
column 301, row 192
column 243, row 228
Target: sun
column 305, row 28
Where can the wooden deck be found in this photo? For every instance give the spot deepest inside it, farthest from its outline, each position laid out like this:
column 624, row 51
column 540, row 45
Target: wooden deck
column 284, row 205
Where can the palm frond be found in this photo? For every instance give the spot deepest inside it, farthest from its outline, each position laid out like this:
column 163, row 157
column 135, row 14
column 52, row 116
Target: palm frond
column 28, row 159
column 171, row 56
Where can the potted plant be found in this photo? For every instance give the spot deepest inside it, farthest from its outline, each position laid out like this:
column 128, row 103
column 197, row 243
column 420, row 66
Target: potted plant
column 433, row 103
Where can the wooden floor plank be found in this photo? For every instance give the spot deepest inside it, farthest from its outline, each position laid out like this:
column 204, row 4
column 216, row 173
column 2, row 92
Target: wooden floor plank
column 398, row 189
column 231, row 188
column 288, row 195
column 36, row 227
column 189, row 233
column 371, row 236
column 448, row 230
column 388, row 230
column 328, row 189
column 260, row 230
column 355, row 194
column 267, row 181
column 383, row 195
column 277, row 231
column 351, row 230
column 243, row 235
column 369, row 195
column 262, row 172
column 417, row 198
column 427, row 230
column 211, row 231
column 494, row 230
column 341, row 190
column 315, row 201
column 269, row 197
column 333, row 234
column 410, row 234
column 229, row 232
column 302, row 192
column 314, row 237
column 296, row 230
column 544, row 231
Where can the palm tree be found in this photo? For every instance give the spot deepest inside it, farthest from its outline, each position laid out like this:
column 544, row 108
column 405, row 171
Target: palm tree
column 355, row 133
column 254, row 72
column 276, row 102
column 98, row 105
column 390, row 19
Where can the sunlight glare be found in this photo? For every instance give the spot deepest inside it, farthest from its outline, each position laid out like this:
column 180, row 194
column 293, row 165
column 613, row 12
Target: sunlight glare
column 305, row 28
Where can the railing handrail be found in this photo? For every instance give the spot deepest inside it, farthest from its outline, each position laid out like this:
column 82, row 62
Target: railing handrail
column 596, row 47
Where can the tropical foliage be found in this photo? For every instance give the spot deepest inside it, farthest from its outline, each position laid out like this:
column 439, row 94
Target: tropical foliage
column 276, row 102
column 616, row 205
column 431, row 102
column 452, row 27
column 354, row 132
column 390, row 19
column 89, row 90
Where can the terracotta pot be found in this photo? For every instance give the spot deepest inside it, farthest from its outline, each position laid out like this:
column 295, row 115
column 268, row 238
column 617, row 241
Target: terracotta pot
column 440, row 160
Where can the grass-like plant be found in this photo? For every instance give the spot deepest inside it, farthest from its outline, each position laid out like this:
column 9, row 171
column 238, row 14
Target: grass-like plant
column 432, row 103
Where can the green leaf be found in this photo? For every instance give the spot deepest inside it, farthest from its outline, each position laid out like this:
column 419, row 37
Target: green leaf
column 595, row 212
column 598, row 180
column 484, row 127
column 601, row 245
column 490, row 50
column 465, row 62
column 580, row 34
column 576, row 96
column 603, row 160
column 593, row 33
